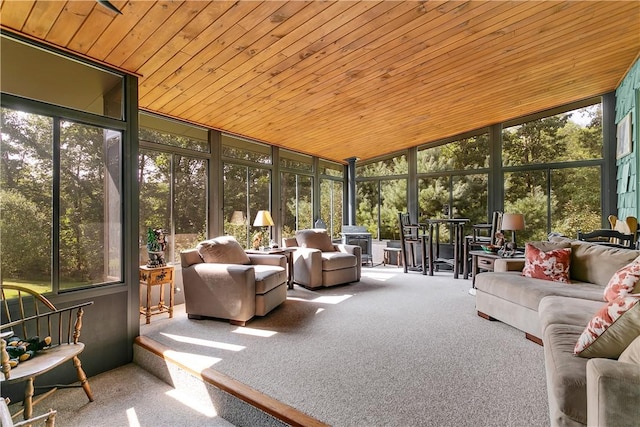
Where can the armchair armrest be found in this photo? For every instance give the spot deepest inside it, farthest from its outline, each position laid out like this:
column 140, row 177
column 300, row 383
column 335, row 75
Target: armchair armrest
column 189, row 257
column 354, row 250
column 307, row 267
column 613, row 393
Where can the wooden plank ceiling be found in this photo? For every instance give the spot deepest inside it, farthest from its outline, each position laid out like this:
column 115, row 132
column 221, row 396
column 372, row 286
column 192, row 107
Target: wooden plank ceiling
column 340, row 79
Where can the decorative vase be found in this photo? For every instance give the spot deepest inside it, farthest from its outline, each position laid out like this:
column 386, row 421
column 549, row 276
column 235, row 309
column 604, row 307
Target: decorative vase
column 156, row 259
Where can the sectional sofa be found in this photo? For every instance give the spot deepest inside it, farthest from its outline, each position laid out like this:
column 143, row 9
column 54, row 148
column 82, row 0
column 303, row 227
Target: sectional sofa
column 601, row 385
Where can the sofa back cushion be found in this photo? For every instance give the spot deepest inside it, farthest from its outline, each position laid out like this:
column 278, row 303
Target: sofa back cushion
column 595, row 263
column 598, row 263
column 223, row 250
column 315, row 239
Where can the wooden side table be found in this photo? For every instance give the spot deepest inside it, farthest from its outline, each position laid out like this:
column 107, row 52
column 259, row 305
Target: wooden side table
column 481, row 260
column 157, row 276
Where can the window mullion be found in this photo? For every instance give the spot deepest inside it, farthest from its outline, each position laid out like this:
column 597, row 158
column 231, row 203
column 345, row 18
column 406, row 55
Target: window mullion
column 55, row 221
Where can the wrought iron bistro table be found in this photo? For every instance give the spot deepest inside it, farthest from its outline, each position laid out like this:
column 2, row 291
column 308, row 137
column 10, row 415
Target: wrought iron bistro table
column 457, row 227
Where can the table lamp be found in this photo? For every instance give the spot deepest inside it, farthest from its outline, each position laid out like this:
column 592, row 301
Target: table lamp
column 513, row 223
column 263, row 220
column 238, row 218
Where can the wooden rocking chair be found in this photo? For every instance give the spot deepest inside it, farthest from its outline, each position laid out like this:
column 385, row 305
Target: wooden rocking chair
column 28, row 314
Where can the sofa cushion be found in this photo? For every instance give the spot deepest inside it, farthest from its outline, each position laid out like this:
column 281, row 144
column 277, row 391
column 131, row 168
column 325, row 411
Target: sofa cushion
column 611, row 330
column 594, row 263
column 269, row 277
column 528, row 292
column 222, row 250
column 566, row 373
column 555, row 309
column 315, row 239
column 337, row 261
column 631, row 354
column 547, row 265
column 624, row 281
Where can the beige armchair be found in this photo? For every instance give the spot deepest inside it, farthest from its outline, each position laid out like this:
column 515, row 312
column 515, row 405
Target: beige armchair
column 318, row 262
column 222, row 281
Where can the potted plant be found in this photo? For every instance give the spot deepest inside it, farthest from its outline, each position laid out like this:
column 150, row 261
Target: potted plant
column 156, row 245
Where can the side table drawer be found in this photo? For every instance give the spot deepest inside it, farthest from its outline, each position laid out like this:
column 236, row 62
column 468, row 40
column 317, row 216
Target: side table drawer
column 156, row 276
column 485, row 264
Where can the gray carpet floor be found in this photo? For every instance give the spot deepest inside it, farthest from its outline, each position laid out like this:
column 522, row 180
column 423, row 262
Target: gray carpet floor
column 394, row 349
column 129, row 396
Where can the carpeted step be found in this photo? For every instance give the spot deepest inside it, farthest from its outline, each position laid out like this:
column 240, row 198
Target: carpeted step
column 235, row 402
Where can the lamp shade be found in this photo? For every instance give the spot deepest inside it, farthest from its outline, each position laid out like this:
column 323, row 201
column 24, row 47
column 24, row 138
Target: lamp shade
column 263, row 219
column 512, row 222
column 238, row 218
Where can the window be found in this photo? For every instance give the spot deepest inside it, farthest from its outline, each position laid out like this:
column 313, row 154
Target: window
column 240, row 149
column 297, row 202
column 553, row 172
column 61, row 209
column 331, row 196
column 246, row 191
column 173, row 186
column 454, row 181
column 161, row 130
column 379, row 199
column 295, row 161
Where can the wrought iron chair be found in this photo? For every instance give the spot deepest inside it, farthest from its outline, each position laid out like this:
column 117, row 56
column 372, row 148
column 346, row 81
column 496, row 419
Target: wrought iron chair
column 476, row 239
column 628, row 226
column 412, row 244
column 608, row 237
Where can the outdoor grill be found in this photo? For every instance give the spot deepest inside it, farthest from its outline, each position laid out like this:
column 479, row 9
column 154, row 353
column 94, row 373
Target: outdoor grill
column 358, row 235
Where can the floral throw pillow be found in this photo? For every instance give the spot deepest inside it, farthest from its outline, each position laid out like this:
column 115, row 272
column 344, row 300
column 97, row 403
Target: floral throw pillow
column 611, row 330
column 624, row 281
column 550, row 265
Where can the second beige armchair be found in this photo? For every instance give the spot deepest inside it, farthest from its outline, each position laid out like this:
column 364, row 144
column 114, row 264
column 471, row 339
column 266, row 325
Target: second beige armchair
column 318, row 262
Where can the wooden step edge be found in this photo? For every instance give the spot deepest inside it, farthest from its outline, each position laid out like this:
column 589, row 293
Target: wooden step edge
column 265, row 403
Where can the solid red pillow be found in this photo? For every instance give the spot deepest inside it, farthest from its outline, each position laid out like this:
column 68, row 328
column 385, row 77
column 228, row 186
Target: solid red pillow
column 624, row 281
column 551, row 265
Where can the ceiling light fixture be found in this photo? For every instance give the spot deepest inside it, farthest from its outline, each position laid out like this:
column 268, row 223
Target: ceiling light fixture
column 108, row 5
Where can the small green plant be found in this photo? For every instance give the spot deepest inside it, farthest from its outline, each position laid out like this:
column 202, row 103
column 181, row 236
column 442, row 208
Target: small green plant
column 153, row 240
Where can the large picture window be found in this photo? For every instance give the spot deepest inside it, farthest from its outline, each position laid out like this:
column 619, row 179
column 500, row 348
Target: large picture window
column 246, row 191
column 173, row 191
column 61, row 203
column 331, row 196
column 552, row 172
column 454, row 181
column 297, row 207
column 379, row 200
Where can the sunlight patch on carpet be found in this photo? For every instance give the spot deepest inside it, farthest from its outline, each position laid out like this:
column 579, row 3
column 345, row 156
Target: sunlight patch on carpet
column 331, row 299
column 255, row 332
column 195, row 362
column 379, row 276
column 132, row 417
column 204, row 343
column 327, row 299
column 202, row 405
